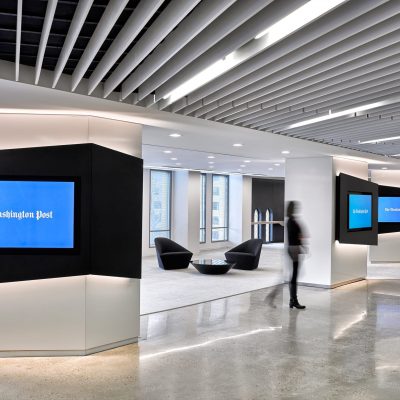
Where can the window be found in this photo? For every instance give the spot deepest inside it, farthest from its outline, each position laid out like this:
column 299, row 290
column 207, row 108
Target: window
column 220, row 208
column 257, row 227
column 203, row 205
column 160, row 205
column 269, row 228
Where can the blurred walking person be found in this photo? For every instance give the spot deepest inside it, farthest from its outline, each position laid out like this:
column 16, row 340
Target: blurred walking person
column 296, row 247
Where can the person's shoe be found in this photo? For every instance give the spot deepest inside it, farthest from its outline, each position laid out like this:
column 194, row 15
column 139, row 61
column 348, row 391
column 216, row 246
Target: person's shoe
column 296, row 304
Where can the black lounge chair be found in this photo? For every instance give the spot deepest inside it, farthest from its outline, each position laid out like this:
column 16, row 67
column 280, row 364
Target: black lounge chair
column 171, row 255
column 246, row 255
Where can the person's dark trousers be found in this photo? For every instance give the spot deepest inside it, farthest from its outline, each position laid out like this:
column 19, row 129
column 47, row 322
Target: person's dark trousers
column 293, row 282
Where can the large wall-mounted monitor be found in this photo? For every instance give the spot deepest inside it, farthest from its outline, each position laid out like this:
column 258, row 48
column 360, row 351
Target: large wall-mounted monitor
column 359, row 211
column 38, row 214
column 389, row 209
column 356, row 210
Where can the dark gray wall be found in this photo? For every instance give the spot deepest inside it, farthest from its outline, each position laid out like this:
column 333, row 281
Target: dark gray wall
column 270, row 193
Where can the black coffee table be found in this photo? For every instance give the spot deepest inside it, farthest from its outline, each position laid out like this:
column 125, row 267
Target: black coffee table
column 212, row 266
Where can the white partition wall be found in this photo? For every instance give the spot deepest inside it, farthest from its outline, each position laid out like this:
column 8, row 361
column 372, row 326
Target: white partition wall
column 240, row 193
column 186, row 201
column 388, row 249
column 312, row 182
column 73, row 315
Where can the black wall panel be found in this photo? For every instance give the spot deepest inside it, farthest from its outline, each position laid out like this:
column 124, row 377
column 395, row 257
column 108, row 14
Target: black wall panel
column 269, row 193
column 344, row 185
column 109, row 218
column 116, row 213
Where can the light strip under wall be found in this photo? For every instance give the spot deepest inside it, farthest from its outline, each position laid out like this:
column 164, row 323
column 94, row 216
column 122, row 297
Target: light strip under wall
column 284, row 27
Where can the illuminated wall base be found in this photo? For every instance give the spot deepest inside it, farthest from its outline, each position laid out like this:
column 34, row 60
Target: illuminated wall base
column 70, row 316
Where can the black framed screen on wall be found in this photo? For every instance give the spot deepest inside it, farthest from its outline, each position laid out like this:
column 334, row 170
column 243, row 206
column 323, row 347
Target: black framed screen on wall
column 69, row 210
column 356, row 210
column 389, row 209
column 39, row 214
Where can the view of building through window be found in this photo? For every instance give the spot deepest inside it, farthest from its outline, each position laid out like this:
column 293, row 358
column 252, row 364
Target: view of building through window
column 220, row 208
column 160, row 205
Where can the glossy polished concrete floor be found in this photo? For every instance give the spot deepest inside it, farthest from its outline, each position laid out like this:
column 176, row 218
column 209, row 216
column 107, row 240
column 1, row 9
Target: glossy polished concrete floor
column 345, row 345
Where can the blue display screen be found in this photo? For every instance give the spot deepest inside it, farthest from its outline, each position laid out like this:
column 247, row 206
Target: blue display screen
column 36, row 214
column 360, row 211
column 389, row 209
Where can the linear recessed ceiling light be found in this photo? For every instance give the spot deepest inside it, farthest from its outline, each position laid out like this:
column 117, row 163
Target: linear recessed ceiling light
column 211, row 162
column 286, row 26
column 243, row 165
column 337, row 114
column 247, row 161
column 395, row 155
column 277, row 165
column 379, row 140
column 270, row 169
column 167, row 151
column 174, row 159
column 384, row 168
column 298, row 18
column 175, row 135
column 237, row 145
column 285, row 152
column 210, row 157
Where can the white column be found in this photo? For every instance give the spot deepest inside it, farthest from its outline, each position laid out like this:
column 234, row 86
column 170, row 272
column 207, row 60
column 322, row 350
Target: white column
column 312, row 182
column 240, row 194
column 146, row 249
column 186, row 204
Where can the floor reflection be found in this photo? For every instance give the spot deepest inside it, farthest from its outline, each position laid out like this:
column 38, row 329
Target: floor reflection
column 345, row 345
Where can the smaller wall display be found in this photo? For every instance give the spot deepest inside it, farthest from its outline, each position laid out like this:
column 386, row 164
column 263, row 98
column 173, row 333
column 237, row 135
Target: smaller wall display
column 359, row 211
column 388, row 209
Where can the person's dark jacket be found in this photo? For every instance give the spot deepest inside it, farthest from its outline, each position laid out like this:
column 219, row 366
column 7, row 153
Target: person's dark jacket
column 294, row 232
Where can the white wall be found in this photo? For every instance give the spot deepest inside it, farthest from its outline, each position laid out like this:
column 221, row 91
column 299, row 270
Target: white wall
column 309, row 181
column 73, row 315
column 240, row 195
column 186, row 204
column 17, row 131
column 146, row 250
column 312, row 182
column 388, row 249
